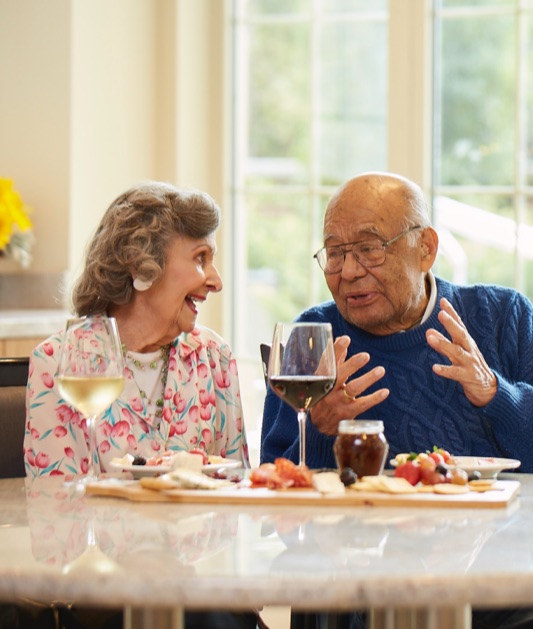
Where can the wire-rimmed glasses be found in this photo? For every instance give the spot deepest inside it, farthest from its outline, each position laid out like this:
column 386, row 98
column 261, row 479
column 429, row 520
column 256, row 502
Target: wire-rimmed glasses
column 369, row 253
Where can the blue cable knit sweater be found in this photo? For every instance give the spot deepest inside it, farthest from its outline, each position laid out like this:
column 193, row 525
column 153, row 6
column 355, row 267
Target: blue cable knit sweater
column 424, row 409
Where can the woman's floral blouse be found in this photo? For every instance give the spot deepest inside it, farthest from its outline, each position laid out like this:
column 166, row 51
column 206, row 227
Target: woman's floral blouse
column 201, row 409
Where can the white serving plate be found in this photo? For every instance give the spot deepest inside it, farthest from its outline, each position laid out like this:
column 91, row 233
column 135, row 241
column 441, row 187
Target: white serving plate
column 487, row 466
column 139, row 471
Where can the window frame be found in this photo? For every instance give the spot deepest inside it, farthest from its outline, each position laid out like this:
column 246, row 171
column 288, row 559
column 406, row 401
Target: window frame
column 411, row 132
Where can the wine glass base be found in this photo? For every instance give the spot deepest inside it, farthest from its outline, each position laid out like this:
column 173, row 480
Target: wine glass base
column 81, row 482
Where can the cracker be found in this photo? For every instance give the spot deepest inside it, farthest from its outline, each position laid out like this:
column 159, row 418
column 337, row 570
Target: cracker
column 424, row 489
column 450, row 488
column 361, row 485
column 397, row 485
column 374, row 482
column 482, row 482
column 482, row 488
column 158, row 483
column 385, row 484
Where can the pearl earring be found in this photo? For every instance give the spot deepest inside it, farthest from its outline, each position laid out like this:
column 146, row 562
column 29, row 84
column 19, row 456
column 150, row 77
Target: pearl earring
column 141, row 285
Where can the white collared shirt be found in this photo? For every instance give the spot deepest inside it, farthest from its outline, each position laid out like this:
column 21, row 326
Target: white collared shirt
column 432, row 298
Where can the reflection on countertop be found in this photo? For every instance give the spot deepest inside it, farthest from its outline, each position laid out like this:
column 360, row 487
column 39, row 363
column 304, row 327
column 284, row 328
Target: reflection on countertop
column 56, row 541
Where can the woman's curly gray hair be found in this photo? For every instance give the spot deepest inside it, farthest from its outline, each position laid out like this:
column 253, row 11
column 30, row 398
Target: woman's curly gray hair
column 133, row 240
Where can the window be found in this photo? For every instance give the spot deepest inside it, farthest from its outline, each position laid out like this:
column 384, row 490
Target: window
column 310, row 110
column 483, row 169
column 438, row 91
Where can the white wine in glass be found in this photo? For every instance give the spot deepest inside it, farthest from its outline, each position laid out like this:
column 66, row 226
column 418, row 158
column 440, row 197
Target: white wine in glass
column 91, row 372
column 302, row 368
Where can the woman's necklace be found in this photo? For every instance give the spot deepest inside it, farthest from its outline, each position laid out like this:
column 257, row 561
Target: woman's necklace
column 146, row 373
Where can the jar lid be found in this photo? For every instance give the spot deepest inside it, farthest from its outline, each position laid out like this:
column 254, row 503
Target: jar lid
column 360, row 426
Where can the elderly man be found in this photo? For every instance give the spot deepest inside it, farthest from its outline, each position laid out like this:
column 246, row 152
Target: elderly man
column 440, row 364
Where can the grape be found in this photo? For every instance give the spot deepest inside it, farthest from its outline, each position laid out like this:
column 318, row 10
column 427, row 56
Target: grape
column 459, row 476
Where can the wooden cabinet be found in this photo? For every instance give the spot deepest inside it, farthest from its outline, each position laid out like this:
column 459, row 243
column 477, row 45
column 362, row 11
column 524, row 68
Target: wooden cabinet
column 22, row 330
column 18, row 346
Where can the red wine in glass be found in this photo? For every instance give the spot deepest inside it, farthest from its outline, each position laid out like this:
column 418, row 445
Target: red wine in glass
column 302, row 368
column 302, row 392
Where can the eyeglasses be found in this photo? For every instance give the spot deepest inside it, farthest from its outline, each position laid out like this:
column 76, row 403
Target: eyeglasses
column 369, row 253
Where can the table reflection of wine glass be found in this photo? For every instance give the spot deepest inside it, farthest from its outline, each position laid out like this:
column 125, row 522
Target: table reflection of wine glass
column 93, row 559
column 91, row 372
column 302, row 368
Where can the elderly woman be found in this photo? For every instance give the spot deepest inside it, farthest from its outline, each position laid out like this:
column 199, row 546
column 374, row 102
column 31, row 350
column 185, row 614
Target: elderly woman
column 150, row 265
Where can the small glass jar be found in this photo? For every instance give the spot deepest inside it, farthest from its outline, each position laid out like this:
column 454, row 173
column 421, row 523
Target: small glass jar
column 361, row 445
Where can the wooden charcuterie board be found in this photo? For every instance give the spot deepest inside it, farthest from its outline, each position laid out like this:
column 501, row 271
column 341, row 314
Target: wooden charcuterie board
column 501, row 496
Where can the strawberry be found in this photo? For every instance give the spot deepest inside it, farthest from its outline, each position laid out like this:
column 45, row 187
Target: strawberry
column 408, row 470
column 444, row 453
column 437, row 457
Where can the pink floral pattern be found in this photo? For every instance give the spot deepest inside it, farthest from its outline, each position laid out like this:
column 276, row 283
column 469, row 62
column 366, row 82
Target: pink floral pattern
column 60, row 518
column 202, row 409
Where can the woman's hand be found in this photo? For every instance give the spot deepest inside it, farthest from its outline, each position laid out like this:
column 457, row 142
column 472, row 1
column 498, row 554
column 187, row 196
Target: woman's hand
column 468, row 366
column 344, row 401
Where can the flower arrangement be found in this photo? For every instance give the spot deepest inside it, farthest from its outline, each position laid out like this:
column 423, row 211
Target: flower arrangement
column 16, row 235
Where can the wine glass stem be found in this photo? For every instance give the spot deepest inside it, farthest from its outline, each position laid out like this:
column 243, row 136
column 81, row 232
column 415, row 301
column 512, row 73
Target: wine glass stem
column 302, row 417
column 91, row 470
column 91, row 533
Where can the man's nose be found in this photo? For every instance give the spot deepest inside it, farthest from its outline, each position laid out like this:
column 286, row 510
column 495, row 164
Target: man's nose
column 352, row 267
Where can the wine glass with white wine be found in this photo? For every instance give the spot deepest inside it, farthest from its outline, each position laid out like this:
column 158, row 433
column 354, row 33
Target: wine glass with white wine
column 302, row 368
column 91, row 373
column 93, row 560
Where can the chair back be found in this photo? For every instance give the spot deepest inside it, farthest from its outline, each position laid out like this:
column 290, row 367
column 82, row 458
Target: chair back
column 13, row 381
column 265, row 355
column 14, row 372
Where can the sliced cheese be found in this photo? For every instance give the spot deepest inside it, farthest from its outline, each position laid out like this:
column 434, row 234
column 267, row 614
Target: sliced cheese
column 215, row 459
column 127, row 459
column 191, row 479
column 187, row 460
column 328, row 483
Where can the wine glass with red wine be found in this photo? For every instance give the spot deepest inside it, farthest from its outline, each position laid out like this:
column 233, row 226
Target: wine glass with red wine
column 302, row 368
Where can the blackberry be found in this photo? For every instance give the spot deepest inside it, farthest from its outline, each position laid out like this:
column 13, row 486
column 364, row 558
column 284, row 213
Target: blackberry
column 138, row 460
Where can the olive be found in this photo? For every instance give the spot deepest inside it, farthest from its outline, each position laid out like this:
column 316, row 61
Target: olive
column 348, row 476
column 475, row 475
column 442, row 468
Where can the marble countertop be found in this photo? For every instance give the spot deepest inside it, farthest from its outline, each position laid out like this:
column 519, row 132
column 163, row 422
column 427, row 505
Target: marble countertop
column 205, row 555
column 31, row 323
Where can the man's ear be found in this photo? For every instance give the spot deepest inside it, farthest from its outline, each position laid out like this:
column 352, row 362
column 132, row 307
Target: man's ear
column 429, row 247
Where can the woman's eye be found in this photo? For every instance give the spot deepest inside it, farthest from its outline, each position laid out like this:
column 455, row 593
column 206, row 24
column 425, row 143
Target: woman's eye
column 202, row 258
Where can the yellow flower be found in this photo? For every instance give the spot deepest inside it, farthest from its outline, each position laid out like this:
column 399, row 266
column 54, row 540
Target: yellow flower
column 14, row 218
